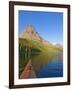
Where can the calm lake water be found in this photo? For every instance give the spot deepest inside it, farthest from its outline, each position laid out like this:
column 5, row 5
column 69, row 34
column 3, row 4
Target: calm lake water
column 48, row 65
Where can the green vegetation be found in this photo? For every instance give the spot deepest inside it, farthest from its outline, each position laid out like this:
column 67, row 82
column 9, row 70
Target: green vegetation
column 37, row 45
column 29, row 48
column 26, row 49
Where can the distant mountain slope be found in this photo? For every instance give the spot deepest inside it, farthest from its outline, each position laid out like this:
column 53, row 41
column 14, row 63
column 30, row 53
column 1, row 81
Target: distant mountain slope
column 30, row 38
column 59, row 46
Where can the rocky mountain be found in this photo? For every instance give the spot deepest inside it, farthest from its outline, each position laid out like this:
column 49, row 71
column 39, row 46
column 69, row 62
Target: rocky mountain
column 31, row 34
column 30, row 38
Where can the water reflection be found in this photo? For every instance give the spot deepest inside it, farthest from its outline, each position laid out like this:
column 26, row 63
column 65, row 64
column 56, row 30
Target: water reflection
column 48, row 65
column 43, row 65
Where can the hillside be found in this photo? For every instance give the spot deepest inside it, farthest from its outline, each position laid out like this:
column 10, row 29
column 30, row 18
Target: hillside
column 31, row 39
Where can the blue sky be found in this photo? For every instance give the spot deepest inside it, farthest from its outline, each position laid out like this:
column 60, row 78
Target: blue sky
column 48, row 24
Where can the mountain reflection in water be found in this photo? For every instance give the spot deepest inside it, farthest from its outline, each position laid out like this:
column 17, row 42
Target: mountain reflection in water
column 47, row 65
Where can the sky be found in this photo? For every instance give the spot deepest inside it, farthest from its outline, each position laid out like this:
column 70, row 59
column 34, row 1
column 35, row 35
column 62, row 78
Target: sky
column 48, row 24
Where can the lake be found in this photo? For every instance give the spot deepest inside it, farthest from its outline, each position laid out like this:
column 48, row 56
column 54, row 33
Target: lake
column 45, row 65
column 48, row 65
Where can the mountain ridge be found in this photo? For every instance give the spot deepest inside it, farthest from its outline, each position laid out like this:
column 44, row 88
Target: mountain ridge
column 33, row 38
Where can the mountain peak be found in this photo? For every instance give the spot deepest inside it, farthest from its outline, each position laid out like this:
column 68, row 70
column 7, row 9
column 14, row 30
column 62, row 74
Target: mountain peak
column 30, row 28
column 30, row 33
column 29, row 25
